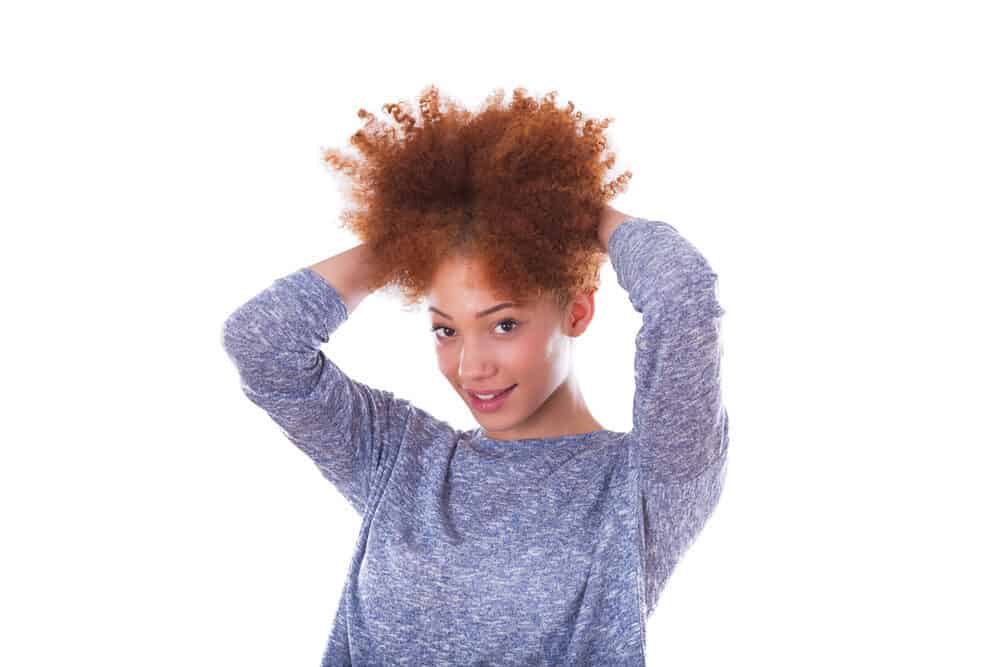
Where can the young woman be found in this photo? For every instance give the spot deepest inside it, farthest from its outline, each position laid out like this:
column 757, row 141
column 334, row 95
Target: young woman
column 540, row 537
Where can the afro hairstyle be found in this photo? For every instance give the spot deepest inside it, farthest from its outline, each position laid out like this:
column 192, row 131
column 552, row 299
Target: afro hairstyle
column 519, row 188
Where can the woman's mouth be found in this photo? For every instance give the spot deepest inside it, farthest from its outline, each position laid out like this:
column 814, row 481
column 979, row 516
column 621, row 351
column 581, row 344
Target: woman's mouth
column 490, row 404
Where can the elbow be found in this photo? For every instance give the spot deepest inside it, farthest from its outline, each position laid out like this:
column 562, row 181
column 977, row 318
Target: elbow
column 231, row 337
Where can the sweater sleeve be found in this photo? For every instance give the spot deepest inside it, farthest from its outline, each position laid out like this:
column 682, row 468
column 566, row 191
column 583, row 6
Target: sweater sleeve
column 680, row 426
column 347, row 428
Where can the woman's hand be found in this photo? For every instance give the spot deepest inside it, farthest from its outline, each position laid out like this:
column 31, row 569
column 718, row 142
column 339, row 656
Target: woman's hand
column 609, row 221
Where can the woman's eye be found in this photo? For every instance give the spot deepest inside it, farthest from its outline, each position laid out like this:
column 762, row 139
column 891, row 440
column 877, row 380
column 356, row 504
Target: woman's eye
column 434, row 330
column 441, row 327
column 512, row 321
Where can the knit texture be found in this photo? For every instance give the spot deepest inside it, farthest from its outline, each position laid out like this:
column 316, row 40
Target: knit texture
column 475, row 551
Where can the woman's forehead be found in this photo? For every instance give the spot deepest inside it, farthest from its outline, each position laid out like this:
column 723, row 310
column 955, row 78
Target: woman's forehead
column 460, row 289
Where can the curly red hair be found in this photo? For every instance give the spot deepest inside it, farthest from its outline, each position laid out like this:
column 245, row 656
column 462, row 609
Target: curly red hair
column 518, row 187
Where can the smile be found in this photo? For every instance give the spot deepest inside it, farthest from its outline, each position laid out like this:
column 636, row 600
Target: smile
column 490, row 404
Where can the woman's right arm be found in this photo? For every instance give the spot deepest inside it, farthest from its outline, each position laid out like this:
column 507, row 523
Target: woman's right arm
column 347, row 428
column 347, row 273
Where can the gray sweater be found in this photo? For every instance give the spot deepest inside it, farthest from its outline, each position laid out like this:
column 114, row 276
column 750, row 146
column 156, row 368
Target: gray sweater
column 475, row 551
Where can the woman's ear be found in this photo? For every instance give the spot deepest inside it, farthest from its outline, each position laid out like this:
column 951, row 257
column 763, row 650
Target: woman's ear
column 580, row 313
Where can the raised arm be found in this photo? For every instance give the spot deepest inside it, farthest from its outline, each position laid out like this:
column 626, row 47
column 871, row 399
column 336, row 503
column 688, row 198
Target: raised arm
column 680, row 426
column 347, row 428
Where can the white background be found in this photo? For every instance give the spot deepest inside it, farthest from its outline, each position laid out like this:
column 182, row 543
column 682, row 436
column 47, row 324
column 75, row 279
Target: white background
column 837, row 163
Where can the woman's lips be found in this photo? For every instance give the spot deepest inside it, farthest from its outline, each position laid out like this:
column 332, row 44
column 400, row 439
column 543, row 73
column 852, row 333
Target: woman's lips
column 492, row 404
column 488, row 392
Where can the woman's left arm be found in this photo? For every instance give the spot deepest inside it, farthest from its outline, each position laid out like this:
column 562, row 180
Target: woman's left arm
column 680, row 433
column 678, row 413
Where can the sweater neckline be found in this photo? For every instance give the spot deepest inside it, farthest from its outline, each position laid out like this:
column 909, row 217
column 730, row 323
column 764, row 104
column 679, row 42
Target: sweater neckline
column 526, row 446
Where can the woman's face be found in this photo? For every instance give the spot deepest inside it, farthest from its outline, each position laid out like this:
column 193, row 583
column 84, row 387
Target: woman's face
column 486, row 343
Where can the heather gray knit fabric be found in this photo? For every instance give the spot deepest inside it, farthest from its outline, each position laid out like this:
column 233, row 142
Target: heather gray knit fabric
column 475, row 551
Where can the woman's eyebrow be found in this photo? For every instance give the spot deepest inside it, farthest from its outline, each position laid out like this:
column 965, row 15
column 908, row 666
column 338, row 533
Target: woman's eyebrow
column 483, row 313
